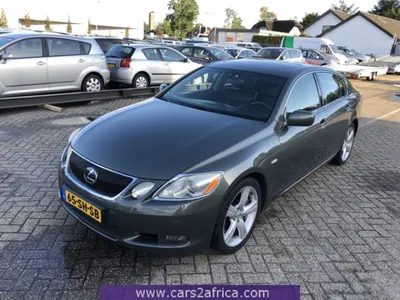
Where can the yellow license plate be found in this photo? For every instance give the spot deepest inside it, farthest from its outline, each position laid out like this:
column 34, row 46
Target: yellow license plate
column 83, row 206
column 111, row 66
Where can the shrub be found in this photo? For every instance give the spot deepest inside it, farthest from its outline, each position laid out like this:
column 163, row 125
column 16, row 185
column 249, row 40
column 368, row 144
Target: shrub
column 267, row 41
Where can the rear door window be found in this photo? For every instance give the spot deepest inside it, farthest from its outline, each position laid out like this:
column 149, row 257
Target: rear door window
column 152, row 54
column 121, row 51
column 63, row 47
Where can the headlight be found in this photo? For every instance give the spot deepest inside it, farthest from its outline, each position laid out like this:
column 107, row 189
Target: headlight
column 73, row 135
column 190, row 186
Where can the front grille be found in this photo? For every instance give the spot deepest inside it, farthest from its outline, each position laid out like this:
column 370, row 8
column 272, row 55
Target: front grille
column 108, row 183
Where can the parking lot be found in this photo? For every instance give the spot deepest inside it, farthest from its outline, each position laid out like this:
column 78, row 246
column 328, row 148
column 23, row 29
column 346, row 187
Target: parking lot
column 337, row 234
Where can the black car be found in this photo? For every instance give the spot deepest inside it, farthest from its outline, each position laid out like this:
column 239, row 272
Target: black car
column 194, row 166
column 106, row 43
column 203, row 54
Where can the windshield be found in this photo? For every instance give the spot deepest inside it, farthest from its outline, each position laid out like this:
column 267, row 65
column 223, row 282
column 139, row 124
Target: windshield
column 220, row 54
column 244, row 94
column 269, row 53
column 4, row 41
column 120, row 51
column 334, row 49
column 233, row 52
column 355, row 52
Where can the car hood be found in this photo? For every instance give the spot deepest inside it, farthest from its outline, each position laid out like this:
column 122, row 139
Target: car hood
column 158, row 139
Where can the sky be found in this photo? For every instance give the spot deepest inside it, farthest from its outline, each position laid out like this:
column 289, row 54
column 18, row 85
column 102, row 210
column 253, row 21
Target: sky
column 212, row 12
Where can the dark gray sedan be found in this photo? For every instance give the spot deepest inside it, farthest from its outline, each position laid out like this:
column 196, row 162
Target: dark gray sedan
column 195, row 165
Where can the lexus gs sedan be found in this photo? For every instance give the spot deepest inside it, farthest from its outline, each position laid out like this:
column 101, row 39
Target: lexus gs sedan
column 194, row 167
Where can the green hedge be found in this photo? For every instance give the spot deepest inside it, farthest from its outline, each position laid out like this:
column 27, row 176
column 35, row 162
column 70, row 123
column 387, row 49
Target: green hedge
column 267, row 40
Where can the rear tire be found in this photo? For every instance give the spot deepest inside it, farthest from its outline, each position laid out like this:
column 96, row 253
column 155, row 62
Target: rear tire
column 92, row 83
column 237, row 216
column 344, row 153
column 140, row 81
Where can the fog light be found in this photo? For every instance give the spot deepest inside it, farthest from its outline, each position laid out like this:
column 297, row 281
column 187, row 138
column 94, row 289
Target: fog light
column 141, row 189
column 173, row 238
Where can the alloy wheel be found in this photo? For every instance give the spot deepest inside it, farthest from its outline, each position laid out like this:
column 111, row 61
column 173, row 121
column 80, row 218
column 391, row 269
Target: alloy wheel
column 348, row 144
column 240, row 216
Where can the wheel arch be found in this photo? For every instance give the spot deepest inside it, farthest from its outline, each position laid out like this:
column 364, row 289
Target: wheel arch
column 143, row 73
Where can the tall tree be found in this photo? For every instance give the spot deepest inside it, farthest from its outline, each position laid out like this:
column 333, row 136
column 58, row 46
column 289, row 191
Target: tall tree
column 387, row 8
column 27, row 20
column 237, row 23
column 127, row 32
column 183, row 15
column 266, row 14
column 342, row 6
column 233, row 20
column 165, row 27
column 159, row 31
column 69, row 25
column 89, row 27
column 3, row 19
column 47, row 24
column 308, row 19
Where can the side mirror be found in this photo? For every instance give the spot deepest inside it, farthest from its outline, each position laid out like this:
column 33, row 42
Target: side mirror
column 300, row 118
column 6, row 56
column 163, row 87
column 281, row 58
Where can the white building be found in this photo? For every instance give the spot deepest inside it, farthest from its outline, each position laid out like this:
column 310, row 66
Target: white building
column 266, row 28
column 103, row 22
column 327, row 20
column 367, row 33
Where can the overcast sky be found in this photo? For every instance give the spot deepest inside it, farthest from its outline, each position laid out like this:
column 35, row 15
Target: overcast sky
column 212, row 12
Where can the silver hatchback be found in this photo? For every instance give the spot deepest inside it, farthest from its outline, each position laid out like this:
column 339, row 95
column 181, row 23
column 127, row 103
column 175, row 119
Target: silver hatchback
column 32, row 63
column 143, row 65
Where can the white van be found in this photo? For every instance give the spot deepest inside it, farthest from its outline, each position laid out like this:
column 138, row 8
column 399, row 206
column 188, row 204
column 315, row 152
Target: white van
column 322, row 45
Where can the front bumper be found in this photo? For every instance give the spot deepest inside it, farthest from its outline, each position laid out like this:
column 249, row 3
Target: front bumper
column 145, row 225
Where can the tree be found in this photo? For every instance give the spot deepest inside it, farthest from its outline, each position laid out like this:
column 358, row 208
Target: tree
column 308, row 19
column 165, row 27
column 69, row 25
column 266, row 14
column 127, row 32
column 3, row 19
column 198, row 25
column 27, row 20
column 183, row 15
column 47, row 24
column 89, row 27
column 387, row 8
column 159, row 31
column 350, row 9
column 232, row 19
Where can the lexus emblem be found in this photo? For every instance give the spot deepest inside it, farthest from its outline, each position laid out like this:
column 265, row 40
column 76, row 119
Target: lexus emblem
column 90, row 175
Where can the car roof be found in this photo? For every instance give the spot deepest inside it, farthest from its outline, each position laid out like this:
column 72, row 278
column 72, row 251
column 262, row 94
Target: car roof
column 21, row 35
column 144, row 46
column 270, row 67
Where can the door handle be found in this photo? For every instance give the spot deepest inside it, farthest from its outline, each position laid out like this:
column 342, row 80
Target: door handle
column 41, row 63
column 81, row 60
column 324, row 122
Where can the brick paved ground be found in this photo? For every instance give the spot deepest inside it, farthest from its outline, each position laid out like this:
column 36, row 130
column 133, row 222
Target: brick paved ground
column 337, row 233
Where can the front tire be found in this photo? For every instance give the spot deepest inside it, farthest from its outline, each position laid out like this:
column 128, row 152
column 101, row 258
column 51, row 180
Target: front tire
column 92, row 83
column 343, row 155
column 237, row 217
